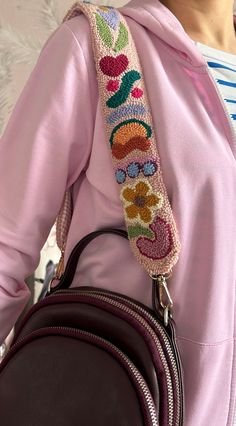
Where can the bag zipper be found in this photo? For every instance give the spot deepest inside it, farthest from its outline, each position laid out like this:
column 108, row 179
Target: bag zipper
column 151, row 332
column 49, row 299
column 167, row 345
column 150, row 409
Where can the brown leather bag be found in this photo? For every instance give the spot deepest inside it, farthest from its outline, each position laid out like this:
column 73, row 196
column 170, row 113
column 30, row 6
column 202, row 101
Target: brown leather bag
column 85, row 356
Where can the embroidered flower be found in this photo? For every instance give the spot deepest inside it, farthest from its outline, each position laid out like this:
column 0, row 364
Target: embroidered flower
column 149, row 168
column 139, row 200
column 133, row 169
column 120, row 176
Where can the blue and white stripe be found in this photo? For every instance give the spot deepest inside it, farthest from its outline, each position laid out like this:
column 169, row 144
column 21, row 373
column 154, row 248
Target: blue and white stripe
column 222, row 66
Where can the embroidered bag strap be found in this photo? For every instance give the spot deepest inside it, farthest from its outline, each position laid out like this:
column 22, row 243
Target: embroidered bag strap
column 129, row 128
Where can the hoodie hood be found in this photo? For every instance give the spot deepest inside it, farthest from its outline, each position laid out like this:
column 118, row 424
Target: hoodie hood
column 158, row 19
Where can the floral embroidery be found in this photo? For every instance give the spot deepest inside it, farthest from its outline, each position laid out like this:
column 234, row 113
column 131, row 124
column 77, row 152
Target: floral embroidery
column 123, row 38
column 134, row 148
column 149, row 168
column 111, row 17
column 107, row 18
column 140, row 201
column 104, row 30
column 133, row 169
column 136, row 230
column 120, row 176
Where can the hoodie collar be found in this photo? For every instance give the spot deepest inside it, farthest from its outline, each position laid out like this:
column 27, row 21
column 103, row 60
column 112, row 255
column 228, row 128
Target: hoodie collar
column 158, row 19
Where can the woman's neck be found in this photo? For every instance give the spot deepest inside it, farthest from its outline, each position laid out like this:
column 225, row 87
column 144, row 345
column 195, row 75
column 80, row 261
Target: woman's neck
column 207, row 21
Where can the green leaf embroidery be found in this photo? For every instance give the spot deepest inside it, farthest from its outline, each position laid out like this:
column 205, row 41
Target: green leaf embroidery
column 104, row 30
column 123, row 38
column 137, row 230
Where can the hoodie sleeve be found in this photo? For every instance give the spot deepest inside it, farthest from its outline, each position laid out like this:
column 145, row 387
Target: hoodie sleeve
column 43, row 150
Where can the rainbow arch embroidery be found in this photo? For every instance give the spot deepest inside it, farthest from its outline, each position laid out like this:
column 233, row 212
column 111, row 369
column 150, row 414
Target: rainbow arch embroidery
column 129, row 129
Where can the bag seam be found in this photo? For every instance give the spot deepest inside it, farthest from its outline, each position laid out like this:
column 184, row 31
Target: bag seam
column 195, row 342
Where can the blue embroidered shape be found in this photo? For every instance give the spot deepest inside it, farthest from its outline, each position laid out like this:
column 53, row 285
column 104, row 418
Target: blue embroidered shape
column 149, row 168
column 120, row 176
column 133, row 169
column 126, row 111
column 111, row 17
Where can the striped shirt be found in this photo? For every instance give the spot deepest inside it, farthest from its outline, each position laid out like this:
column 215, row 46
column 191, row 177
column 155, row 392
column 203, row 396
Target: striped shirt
column 222, row 66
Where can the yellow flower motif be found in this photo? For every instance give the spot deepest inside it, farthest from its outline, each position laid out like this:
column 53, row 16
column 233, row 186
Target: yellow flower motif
column 139, row 200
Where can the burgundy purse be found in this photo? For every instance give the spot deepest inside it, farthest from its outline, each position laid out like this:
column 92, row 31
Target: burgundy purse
column 86, row 356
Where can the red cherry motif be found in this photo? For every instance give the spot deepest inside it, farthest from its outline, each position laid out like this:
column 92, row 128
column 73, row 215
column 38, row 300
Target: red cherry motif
column 113, row 85
column 114, row 66
column 137, row 92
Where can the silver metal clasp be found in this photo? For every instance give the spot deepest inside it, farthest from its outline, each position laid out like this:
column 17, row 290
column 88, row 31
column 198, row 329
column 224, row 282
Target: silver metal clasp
column 164, row 296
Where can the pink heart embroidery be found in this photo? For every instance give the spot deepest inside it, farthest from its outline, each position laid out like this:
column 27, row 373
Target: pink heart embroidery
column 162, row 245
column 114, row 66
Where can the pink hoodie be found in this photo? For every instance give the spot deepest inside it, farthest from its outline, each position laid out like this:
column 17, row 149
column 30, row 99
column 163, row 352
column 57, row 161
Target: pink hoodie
column 55, row 138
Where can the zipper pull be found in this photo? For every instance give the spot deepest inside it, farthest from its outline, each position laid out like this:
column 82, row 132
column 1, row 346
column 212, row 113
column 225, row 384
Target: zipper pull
column 163, row 296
